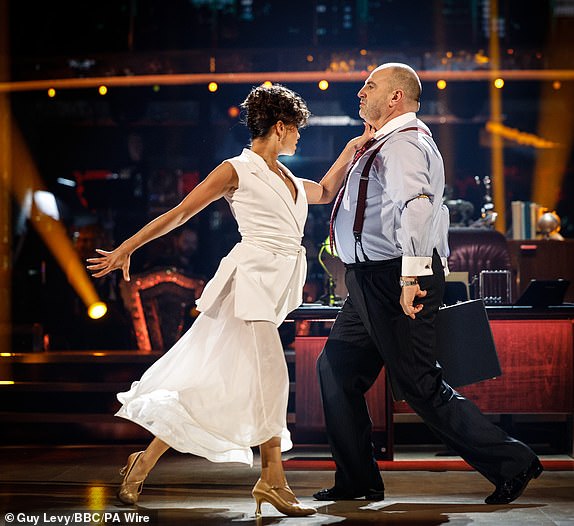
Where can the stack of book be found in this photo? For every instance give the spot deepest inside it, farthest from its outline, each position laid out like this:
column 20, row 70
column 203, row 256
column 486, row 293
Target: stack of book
column 525, row 215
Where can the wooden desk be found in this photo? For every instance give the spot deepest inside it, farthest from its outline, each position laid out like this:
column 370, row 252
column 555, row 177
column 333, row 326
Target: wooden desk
column 542, row 259
column 309, row 410
column 536, row 359
column 536, row 353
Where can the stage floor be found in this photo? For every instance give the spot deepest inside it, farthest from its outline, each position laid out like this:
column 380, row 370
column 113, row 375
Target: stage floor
column 422, row 488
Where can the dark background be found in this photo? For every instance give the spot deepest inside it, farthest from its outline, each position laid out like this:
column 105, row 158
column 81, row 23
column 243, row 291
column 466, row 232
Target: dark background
column 159, row 141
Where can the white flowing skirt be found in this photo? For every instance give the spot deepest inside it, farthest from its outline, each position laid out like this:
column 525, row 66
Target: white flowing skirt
column 220, row 390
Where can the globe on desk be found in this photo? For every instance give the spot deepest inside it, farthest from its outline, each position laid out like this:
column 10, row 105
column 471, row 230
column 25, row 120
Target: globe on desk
column 549, row 225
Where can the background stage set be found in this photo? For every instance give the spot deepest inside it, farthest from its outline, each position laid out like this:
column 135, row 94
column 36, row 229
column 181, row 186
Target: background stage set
column 111, row 112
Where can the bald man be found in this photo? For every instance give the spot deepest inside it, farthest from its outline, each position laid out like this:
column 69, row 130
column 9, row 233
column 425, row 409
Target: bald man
column 390, row 229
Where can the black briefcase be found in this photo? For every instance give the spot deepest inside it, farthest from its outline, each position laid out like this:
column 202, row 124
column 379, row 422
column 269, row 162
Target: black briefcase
column 465, row 347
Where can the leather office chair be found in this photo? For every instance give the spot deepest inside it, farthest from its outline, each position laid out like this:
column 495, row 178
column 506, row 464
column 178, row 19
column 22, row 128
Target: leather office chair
column 474, row 250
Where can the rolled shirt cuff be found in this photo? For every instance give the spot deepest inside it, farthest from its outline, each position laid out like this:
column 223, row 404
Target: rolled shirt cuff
column 420, row 266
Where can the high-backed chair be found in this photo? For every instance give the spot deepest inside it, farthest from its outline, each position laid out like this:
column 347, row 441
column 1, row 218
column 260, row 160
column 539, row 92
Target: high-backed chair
column 473, row 250
column 161, row 304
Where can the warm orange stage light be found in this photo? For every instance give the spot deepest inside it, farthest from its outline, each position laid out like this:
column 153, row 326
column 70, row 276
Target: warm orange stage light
column 97, row 310
column 519, row 137
column 233, row 112
column 52, row 231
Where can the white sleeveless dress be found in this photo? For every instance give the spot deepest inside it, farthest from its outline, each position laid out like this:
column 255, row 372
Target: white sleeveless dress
column 223, row 387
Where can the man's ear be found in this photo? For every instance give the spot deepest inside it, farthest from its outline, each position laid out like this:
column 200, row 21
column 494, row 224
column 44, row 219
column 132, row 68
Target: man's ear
column 396, row 97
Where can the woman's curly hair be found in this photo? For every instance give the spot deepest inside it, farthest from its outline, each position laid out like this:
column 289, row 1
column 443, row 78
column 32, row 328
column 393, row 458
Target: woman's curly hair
column 266, row 105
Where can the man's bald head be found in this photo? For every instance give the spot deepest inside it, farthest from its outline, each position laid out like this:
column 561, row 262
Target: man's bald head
column 403, row 77
column 390, row 90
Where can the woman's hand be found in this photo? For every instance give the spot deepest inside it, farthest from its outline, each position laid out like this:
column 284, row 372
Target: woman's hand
column 325, row 190
column 109, row 261
column 358, row 142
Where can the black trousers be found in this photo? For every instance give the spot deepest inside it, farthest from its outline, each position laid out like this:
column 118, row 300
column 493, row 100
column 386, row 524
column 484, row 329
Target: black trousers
column 370, row 331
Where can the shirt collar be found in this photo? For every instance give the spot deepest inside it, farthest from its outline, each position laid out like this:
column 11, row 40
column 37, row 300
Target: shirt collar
column 256, row 158
column 395, row 124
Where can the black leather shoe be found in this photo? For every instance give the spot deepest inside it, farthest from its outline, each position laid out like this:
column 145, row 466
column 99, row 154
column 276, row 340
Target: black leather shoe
column 337, row 494
column 510, row 489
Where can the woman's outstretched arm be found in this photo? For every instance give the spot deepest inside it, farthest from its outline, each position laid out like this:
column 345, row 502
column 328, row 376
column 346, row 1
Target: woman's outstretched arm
column 326, row 189
column 219, row 182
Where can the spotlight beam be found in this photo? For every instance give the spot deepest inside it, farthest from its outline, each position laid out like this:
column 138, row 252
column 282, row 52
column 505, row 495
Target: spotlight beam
column 52, row 232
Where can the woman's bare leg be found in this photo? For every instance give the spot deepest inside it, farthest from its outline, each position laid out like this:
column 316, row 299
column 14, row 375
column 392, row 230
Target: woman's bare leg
column 272, row 467
column 135, row 471
column 272, row 487
column 148, row 459
column 271, row 463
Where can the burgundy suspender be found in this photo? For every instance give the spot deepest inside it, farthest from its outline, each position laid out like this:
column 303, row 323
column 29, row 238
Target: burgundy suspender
column 339, row 198
column 362, row 201
column 362, row 194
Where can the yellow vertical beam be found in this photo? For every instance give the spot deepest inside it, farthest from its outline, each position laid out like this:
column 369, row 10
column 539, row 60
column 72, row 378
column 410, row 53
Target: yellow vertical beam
column 556, row 123
column 5, row 202
column 446, row 130
column 556, row 120
column 497, row 145
column 447, row 143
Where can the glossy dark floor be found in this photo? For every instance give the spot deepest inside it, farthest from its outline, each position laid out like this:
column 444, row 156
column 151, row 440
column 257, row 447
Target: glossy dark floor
column 184, row 489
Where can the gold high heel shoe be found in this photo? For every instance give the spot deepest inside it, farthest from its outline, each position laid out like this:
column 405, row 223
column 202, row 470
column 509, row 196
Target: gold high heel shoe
column 129, row 492
column 264, row 492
